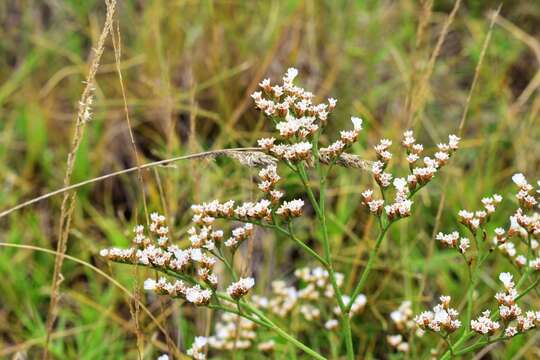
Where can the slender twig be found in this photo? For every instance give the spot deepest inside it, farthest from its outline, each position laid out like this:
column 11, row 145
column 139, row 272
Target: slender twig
column 68, row 201
column 201, row 155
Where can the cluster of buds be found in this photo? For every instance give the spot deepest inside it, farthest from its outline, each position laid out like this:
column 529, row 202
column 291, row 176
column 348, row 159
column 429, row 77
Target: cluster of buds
column 261, row 210
column 157, row 227
column 302, row 127
column 347, row 138
column 474, row 220
column 179, row 289
column 269, row 178
column 531, row 223
column 451, row 240
column 293, row 152
column 484, row 325
column 290, row 209
column 508, row 309
column 382, row 150
column 239, row 235
column 418, row 176
column 382, row 178
column 287, row 99
column 375, row 205
column 526, row 200
column 524, row 223
column 441, row 318
column 296, row 117
column 162, row 257
column 423, row 174
column 240, row 288
column 401, row 207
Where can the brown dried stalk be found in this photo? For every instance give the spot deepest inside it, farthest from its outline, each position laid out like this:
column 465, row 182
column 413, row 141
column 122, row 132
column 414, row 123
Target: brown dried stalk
column 68, row 201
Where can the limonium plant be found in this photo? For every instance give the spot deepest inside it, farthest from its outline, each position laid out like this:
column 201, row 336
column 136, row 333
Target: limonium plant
column 204, row 273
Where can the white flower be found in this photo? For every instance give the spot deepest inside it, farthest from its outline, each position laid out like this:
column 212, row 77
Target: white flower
column 484, row 325
column 241, row 287
column 163, row 357
column 331, row 324
column 448, row 239
column 464, row 244
column 149, row 284
column 510, row 331
column 357, row 123
column 453, row 141
column 291, row 208
column 401, row 185
column 506, row 279
column 290, row 75
column 520, row 180
column 197, row 348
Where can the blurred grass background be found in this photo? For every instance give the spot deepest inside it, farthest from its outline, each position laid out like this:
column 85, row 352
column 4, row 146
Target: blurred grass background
column 188, row 68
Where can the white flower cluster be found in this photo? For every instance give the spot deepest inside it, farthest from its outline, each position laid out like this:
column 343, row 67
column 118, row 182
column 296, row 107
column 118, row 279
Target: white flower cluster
column 296, row 117
column 423, row 174
column 451, row 240
column 509, row 311
column 484, row 325
column 179, row 289
column 263, row 209
column 418, row 176
column 239, row 235
column 441, row 318
column 170, row 258
column 347, row 138
column 526, row 200
column 240, row 288
column 164, row 256
column 524, row 224
column 291, row 208
column 400, row 208
column 474, row 220
column 269, row 178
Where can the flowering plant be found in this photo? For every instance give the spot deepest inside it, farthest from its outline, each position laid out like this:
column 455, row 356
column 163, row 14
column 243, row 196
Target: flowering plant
column 204, row 274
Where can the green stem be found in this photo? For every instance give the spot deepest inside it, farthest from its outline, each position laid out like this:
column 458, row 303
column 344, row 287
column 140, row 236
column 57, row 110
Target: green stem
column 365, row 274
column 282, row 332
column 320, row 210
column 306, row 247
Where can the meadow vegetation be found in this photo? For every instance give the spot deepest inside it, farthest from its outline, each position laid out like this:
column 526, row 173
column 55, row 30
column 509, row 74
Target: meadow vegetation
column 164, row 88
